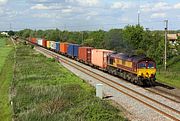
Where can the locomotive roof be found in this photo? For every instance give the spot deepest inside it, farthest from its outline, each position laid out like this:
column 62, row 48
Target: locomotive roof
column 134, row 58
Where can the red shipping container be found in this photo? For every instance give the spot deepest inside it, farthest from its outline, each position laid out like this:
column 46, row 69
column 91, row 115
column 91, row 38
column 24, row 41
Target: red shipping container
column 44, row 43
column 64, row 47
column 99, row 57
column 34, row 40
column 84, row 54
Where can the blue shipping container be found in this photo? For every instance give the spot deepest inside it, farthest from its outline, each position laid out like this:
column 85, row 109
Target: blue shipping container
column 57, row 46
column 73, row 50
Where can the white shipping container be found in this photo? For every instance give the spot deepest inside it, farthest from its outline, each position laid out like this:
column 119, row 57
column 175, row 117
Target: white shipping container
column 52, row 45
column 40, row 41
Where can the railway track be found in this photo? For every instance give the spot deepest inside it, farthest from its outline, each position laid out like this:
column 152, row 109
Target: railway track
column 157, row 92
column 163, row 109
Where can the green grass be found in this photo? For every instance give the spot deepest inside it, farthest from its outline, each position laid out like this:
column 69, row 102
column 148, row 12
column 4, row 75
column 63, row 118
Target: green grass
column 5, row 48
column 172, row 75
column 6, row 65
column 46, row 91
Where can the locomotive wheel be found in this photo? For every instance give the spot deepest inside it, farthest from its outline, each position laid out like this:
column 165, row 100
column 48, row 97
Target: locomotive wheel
column 140, row 81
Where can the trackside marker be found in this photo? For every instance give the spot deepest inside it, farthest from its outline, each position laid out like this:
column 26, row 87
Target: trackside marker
column 99, row 91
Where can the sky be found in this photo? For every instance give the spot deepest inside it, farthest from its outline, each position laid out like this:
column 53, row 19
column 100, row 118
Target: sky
column 78, row 15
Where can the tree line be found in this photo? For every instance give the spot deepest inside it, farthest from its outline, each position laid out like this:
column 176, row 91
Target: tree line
column 133, row 40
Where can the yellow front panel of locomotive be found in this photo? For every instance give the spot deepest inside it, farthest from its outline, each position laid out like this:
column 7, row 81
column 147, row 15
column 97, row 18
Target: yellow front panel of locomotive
column 146, row 72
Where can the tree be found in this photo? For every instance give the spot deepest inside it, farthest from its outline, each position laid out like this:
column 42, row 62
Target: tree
column 96, row 38
column 133, row 36
column 11, row 33
column 113, row 40
column 156, row 48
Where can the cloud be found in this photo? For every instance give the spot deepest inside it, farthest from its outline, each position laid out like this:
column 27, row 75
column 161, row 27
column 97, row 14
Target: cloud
column 43, row 15
column 39, row 7
column 160, row 6
column 177, row 6
column 158, row 15
column 1, row 11
column 40, row 0
column 68, row 10
column 84, row 2
column 54, row 6
column 120, row 5
column 91, row 14
column 3, row 2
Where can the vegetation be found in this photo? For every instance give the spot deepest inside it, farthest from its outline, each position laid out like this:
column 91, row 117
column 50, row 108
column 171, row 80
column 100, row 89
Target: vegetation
column 6, row 70
column 45, row 90
column 171, row 76
column 5, row 48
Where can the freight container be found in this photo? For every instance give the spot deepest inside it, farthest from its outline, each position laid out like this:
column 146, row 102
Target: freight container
column 84, row 54
column 48, row 44
column 57, row 46
column 52, row 45
column 44, row 43
column 33, row 40
column 99, row 57
column 64, row 47
column 73, row 50
column 40, row 41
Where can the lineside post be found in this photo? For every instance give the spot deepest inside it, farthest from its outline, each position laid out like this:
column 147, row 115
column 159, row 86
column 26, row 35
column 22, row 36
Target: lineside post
column 165, row 44
column 99, row 91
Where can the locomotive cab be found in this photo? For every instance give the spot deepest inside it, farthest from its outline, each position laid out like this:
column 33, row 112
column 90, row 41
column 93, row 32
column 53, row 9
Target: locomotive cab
column 146, row 69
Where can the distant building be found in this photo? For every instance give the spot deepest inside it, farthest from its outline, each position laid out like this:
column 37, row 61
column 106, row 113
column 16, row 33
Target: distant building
column 172, row 38
column 178, row 34
column 4, row 33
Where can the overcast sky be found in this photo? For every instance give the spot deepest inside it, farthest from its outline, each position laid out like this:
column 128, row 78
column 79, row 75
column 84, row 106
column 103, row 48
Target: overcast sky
column 88, row 14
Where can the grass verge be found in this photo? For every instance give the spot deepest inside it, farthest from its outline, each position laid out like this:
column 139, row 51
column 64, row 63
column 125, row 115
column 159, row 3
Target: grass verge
column 47, row 91
column 6, row 71
column 172, row 75
column 5, row 48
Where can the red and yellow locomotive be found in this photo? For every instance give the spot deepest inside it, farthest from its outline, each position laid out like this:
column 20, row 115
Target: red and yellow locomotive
column 136, row 69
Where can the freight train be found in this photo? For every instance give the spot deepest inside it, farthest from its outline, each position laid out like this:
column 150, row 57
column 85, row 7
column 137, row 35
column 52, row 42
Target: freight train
column 139, row 70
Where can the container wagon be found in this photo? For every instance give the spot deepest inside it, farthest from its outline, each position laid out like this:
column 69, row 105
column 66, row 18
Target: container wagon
column 53, row 45
column 57, row 46
column 99, row 58
column 40, row 41
column 63, row 48
column 84, row 54
column 44, row 43
column 48, row 44
column 33, row 40
column 72, row 50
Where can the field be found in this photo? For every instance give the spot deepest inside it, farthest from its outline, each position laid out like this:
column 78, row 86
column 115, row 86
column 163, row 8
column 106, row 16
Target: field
column 46, row 91
column 6, row 64
column 172, row 75
column 5, row 48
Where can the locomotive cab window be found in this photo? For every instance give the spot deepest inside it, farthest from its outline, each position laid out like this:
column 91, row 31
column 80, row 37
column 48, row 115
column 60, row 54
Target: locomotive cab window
column 142, row 65
column 151, row 65
column 111, row 60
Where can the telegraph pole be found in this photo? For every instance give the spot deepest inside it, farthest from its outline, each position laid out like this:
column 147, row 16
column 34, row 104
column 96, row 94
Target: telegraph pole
column 165, row 44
